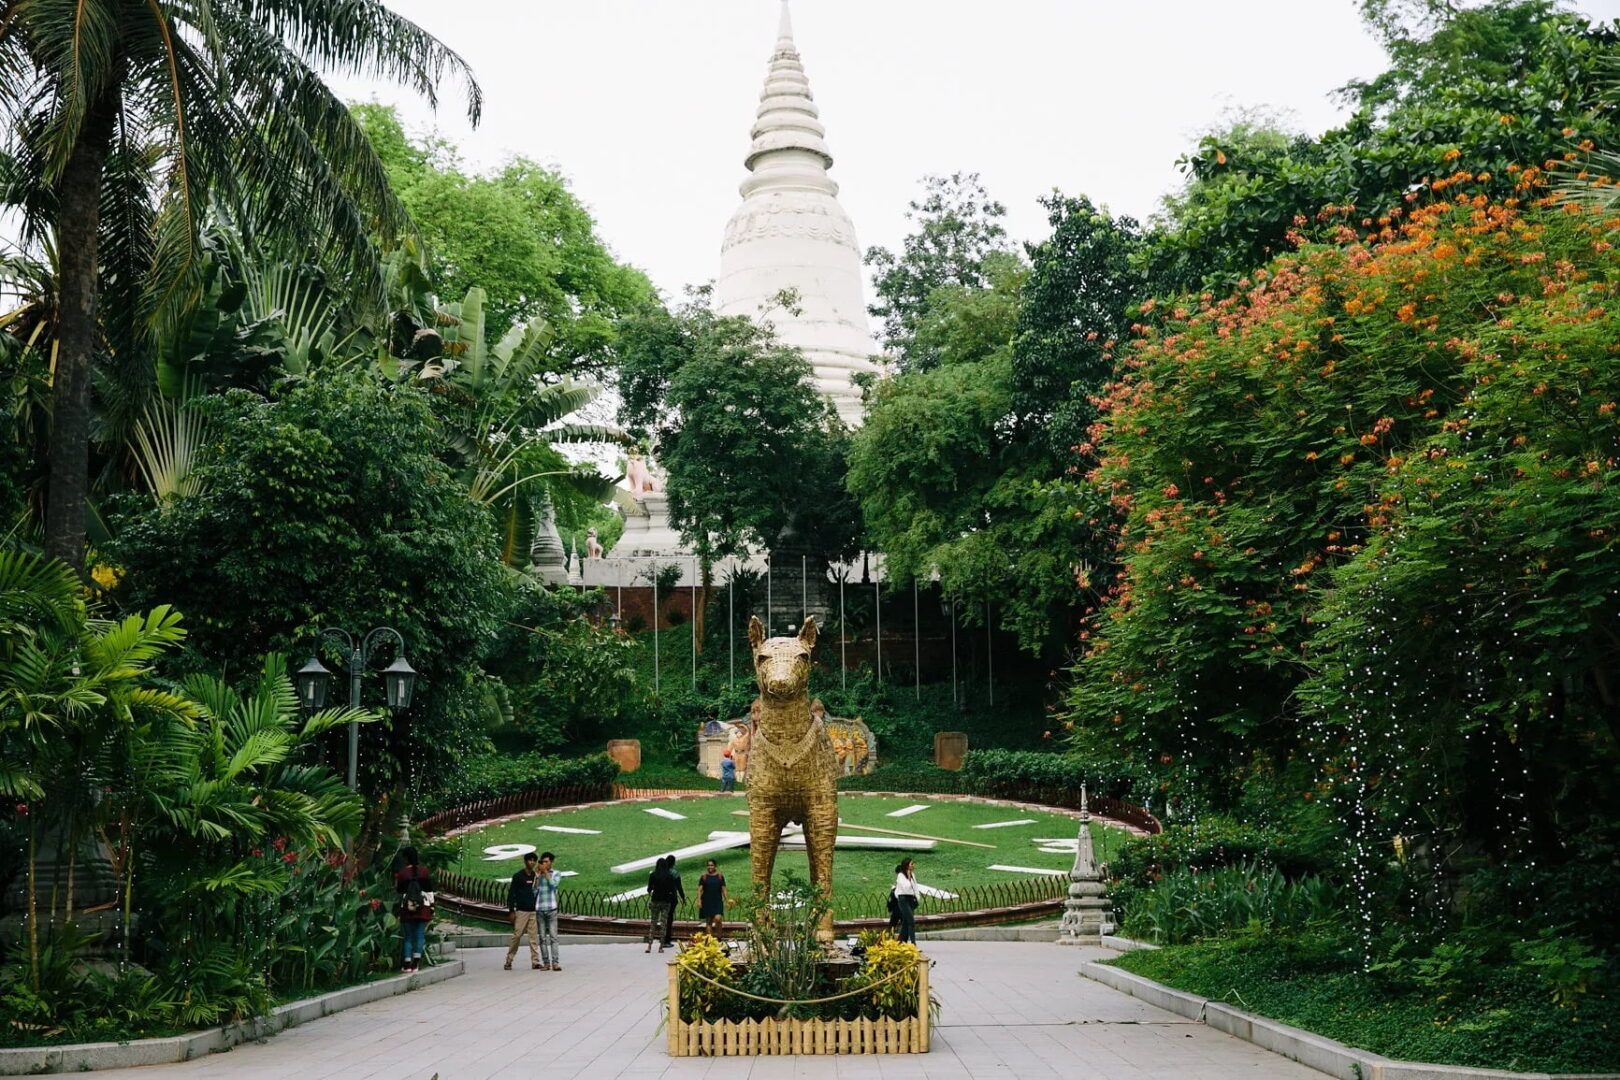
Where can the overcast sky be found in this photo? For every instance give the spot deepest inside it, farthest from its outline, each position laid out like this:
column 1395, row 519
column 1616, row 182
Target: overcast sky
column 646, row 104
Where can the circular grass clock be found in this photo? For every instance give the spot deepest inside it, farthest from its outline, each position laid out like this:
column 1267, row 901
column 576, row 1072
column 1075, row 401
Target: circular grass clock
column 608, row 849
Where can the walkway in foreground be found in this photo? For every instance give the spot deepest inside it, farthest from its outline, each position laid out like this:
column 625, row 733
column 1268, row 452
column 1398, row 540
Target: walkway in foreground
column 1012, row 1011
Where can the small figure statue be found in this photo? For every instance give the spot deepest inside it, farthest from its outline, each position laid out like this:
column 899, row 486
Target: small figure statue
column 593, row 546
column 642, row 481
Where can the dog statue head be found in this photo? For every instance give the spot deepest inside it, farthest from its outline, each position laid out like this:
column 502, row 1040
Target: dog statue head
column 782, row 664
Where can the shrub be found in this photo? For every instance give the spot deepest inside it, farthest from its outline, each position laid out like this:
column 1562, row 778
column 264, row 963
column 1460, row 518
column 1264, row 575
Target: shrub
column 489, row 776
column 1185, row 905
column 1208, row 844
column 1029, row 774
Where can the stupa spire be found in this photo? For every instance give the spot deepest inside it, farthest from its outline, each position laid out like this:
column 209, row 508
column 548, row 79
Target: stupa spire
column 790, row 233
column 788, row 139
column 784, row 28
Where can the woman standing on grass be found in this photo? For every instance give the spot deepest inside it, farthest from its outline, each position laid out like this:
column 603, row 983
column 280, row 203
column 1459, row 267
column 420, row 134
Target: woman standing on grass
column 712, row 898
column 413, row 884
column 905, row 896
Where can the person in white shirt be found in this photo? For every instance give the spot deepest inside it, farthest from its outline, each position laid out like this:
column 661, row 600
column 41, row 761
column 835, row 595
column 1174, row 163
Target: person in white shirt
column 905, row 897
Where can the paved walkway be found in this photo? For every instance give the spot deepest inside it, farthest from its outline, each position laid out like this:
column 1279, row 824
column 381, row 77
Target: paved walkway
column 1010, row 1011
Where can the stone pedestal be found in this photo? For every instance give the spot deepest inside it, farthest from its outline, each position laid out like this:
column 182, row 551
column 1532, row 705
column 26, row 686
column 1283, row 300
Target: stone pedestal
column 648, row 533
column 95, row 896
column 627, row 752
column 950, row 749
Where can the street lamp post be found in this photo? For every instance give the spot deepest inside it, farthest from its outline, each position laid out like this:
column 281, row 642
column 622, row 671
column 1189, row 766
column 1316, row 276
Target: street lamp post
column 399, row 680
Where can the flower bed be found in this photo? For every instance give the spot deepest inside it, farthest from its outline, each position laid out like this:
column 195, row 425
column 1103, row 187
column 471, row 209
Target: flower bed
column 884, row 1008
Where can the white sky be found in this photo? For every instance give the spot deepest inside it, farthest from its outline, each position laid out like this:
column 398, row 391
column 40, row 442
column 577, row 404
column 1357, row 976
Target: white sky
column 646, row 104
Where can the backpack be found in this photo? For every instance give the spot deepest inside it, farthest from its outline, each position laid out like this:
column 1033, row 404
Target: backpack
column 894, row 905
column 412, row 901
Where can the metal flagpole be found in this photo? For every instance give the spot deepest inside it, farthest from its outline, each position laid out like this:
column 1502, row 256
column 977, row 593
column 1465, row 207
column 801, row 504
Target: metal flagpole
column 877, row 607
column 843, row 663
column 694, row 622
column 654, row 565
column 731, row 626
column 916, row 637
column 804, row 588
column 989, row 655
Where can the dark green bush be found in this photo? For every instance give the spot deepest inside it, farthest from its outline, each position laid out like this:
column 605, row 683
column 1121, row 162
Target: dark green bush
column 1207, row 844
column 489, row 776
column 1185, row 905
column 1450, row 1005
column 1032, row 774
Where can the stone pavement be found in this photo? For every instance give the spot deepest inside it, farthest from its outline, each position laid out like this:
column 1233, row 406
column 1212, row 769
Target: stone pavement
column 1013, row 1011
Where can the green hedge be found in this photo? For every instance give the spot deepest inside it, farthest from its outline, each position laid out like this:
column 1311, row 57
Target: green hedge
column 1210, row 843
column 489, row 776
column 1029, row 773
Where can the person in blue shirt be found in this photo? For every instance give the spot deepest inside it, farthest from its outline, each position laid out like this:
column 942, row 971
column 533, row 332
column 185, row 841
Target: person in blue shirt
column 546, row 881
column 728, row 772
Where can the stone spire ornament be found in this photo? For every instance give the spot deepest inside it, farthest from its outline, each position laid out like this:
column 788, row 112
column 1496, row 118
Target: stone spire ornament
column 1087, row 906
column 548, row 560
column 791, row 234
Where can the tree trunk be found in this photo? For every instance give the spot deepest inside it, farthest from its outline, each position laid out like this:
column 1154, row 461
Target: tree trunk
column 78, row 222
column 33, row 899
column 700, row 608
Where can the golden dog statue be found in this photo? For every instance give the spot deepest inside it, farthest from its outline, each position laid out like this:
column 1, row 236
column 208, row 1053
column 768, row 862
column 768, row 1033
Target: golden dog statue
column 792, row 771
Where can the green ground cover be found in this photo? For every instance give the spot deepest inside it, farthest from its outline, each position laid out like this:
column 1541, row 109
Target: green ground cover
column 628, row 832
column 1499, row 1017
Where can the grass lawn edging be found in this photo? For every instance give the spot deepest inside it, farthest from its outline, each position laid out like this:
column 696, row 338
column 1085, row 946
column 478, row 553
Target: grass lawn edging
column 1314, row 1051
column 86, row 1057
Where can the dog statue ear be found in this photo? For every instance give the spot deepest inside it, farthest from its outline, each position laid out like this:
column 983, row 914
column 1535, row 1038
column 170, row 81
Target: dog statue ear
column 808, row 633
column 756, row 631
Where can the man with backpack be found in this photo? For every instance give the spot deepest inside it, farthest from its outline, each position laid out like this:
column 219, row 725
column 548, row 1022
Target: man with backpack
column 520, row 906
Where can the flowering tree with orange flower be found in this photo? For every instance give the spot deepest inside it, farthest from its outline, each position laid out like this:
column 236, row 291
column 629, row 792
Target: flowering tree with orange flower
column 1365, row 510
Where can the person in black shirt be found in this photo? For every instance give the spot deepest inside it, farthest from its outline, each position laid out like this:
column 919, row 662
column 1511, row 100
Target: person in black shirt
column 664, row 890
column 520, row 908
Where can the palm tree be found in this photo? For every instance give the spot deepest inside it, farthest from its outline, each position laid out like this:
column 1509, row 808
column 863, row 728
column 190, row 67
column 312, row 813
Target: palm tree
column 69, row 683
column 202, row 102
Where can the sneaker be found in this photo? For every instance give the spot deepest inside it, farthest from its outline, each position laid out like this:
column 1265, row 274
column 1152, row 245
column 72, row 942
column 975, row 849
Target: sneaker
column 508, row 966
column 556, row 967
column 537, row 966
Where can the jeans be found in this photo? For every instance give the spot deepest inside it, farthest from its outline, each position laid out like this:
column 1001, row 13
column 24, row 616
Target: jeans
column 549, row 953
column 414, row 932
column 728, row 783
column 908, row 919
column 663, row 916
column 522, row 922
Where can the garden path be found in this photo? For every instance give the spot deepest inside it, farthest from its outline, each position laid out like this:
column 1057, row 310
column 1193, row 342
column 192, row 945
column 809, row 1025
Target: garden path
column 1013, row 1011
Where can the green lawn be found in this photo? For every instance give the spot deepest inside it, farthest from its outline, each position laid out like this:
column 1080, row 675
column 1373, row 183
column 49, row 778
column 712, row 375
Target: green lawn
column 628, row 832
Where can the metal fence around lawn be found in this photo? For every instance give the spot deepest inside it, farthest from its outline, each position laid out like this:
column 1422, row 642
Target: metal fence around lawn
column 865, row 905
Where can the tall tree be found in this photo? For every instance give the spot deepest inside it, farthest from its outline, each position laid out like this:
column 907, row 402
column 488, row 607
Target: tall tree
column 1492, row 89
column 520, row 234
column 956, row 233
column 220, row 102
column 753, row 453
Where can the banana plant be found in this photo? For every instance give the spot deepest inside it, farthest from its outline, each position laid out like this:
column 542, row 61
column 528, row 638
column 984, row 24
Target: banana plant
column 507, row 417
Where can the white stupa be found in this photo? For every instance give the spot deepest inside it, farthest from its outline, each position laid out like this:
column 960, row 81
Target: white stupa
column 791, row 233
